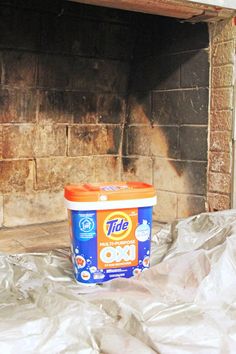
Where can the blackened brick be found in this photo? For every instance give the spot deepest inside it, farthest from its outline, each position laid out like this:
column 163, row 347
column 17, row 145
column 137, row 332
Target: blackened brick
column 190, row 205
column 140, row 108
column 116, row 41
column 180, row 176
column 19, row 28
column 193, row 143
column 111, row 108
column 55, row 71
column 19, row 68
column 55, row 106
column 195, row 69
column 181, row 107
column 97, row 75
column 92, row 108
column 63, row 34
column 177, row 37
column 156, row 141
column 17, row 106
column 156, row 73
column 94, row 140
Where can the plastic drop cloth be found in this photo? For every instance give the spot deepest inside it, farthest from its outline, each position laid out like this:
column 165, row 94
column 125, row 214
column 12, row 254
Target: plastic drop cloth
column 186, row 302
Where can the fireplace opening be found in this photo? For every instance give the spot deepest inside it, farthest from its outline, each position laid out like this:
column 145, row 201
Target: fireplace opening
column 92, row 94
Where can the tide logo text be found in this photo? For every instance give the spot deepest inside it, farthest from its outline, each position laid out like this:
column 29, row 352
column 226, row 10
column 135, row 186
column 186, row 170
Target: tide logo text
column 118, row 254
column 117, row 225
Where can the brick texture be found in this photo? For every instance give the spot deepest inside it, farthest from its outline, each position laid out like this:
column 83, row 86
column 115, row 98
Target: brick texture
column 220, row 174
column 99, row 95
column 63, row 101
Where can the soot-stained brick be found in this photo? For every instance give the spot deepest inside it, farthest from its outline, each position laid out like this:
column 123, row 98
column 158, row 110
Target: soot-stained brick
column 154, row 73
column 19, row 68
column 17, row 106
column 181, row 107
column 195, row 69
column 64, row 34
column 193, row 143
column 94, row 140
column 20, row 28
column 103, row 108
column 139, row 107
column 55, row 106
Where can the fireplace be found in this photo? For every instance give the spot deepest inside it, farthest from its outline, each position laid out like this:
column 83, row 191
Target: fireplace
column 93, row 94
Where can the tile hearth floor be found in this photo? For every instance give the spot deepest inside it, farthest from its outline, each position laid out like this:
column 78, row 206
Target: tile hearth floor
column 38, row 238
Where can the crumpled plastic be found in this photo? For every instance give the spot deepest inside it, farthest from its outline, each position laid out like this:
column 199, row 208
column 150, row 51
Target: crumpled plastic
column 185, row 303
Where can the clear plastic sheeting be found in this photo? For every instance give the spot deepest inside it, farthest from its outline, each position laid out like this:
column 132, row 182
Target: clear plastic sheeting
column 185, row 303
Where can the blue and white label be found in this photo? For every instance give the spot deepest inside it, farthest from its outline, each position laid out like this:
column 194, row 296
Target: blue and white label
column 85, row 245
column 143, row 232
column 86, row 224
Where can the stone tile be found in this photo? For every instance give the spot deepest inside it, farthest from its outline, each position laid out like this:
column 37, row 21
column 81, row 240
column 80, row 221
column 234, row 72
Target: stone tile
column 222, row 76
column 166, row 208
column 15, row 175
column 55, row 173
column 195, row 69
column 33, row 208
column 219, row 182
column 153, row 141
column 17, row 106
column 220, row 141
column 222, row 98
column 18, row 141
column 223, row 53
column 55, row 107
column 11, row 246
column 155, row 73
column 193, row 143
column 64, row 34
column 83, row 73
column 55, row 71
column 181, row 37
column 181, row 107
column 29, row 141
column 1, row 211
column 105, row 169
column 56, row 228
column 221, row 120
column 189, row 205
column 218, row 201
column 15, row 24
column 92, row 108
column 222, row 31
column 116, row 41
column 220, row 162
column 43, row 244
column 22, row 233
column 100, row 75
column 51, row 140
column 19, row 68
column 1, row 141
column 140, row 108
column 180, row 176
column 94, row 140
column 137, row 169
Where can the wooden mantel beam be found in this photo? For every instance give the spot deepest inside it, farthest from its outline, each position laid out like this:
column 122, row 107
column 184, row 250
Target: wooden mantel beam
column 172, row 8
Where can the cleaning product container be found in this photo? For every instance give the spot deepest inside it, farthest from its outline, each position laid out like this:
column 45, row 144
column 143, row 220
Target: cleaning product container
column 110, row 229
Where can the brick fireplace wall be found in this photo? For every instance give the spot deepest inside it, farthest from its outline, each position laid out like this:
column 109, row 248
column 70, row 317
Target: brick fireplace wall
column 92, row 94
column 222, row 110
column 167, row 126
column 64, row 72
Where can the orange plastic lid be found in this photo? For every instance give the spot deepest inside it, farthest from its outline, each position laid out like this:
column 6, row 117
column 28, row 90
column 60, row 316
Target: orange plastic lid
column 108, row 191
